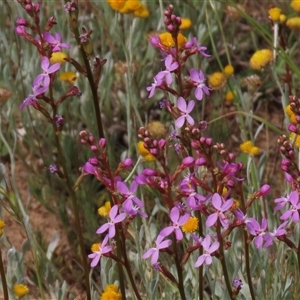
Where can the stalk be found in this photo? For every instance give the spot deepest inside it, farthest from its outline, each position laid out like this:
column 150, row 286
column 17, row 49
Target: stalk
column 62, row 163
column 3, row 278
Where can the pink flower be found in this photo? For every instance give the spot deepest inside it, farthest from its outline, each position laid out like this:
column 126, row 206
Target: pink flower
column 257, row 231
column 198, row 79
column 103, row 249
column 157, row 82
column 44, row 78
column 170, row 67
column 221, row 207
column 154, row 252
column 114, row 219
column 294, row 207
column 177, row 222
column 185, row 110
column 31, row 99
column 208, row 250
column 55, row 42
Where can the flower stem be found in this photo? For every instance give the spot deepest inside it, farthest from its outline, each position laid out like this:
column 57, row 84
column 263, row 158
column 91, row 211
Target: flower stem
column 179, row 270
column 120, row 267
column 75, row 212
column 3, row 278
column 224, row 267
column 200, row 271
column 248, row 266
column 127, row 267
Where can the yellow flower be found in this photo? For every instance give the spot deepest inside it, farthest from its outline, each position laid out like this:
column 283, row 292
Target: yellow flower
column 145, row 152
column 116, row 4
column 274, row 14
column 282, row 18
column 95, row 247
column 260, row 59
column 229, row 96
column 185, row 23
column 105, row 209
column 254, row 151
column 295, row 139
column 20, row 290
column 216, row 80
column 111, row 292
column 293, row 23
column 68, row 77
column 58, row 57
column 167, row 40
column 295, row 5
column 191, row 225
column 141, row 12
column 248, row 148
column 235, row 205
column 228, row 70
column 130, row 6
column 2, row 224
column 291, row 114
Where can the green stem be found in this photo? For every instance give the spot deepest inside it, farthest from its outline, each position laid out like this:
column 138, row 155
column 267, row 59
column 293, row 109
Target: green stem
column 75, row 212
column 298, row 256
column 223, row 262
column 179, row 270
column 3, row 278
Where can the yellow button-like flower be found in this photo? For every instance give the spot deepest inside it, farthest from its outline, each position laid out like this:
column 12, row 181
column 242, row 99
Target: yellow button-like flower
column 2, row 224
column 274, row 14
column 228, row 70
column 235, row 205
column 248, row 148
column 291, row 114
column 141, row 12
column 261, row 58
column 58, row 57
column 111, row 292
column 295, row 5
column 130, row 6
column 282, row 18
column 185, row 23
column 157, row 129
column 20, row 290
column 105, row 209
column 167, row 40
column 68, row 77
column 191, row 225
column 145, row 152
column 295, row 138
column 216, row 80
column 293, row 23
column 229, row 96
column 116, row 4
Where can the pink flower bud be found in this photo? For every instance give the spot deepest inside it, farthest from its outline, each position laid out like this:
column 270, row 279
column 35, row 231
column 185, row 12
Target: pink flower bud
column 162, row 143
column 91, row 139
column 200, row 161
column 94, row 161
column 83, row 133
column 292, row 128
column 149, row 172
column 94, row 148
column 20, row 30
column 170, row 27
column 188, row 161
column 265, row 190
column 209, row 141
column 127, row 162
column 102, row 142
column 154, row 151
column 83, row 142
column 28, row 7
column 21, row 22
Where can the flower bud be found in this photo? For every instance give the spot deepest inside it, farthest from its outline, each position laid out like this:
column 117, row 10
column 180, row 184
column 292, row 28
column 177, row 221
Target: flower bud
column 102, row 143
column 127, row 162
column 21, row 22
column 264, row 190
column 188, row 161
